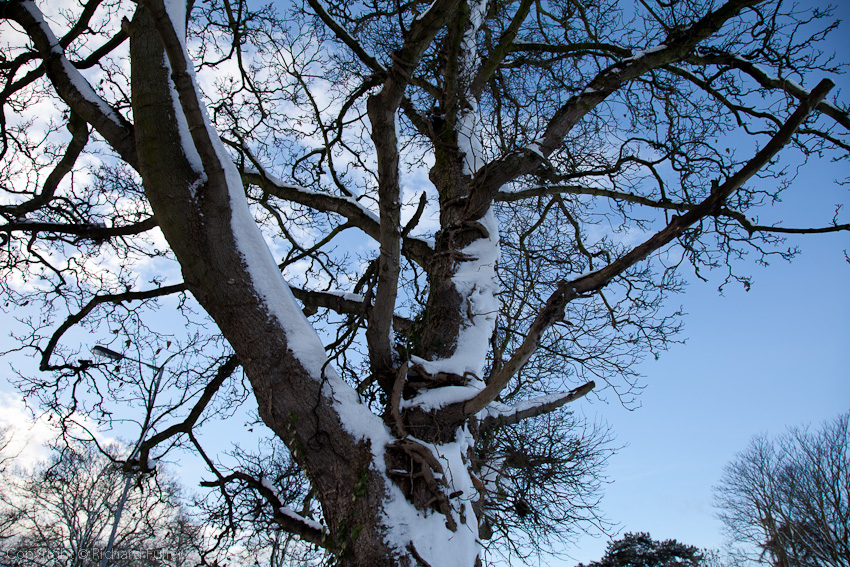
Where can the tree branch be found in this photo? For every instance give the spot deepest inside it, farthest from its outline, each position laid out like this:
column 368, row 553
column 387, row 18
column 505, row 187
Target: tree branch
column 567, row 291
column 346, row 38
column 495, row 175
column 84, row 230
column 75, row 318
column 70, row 85
column 488, row 67
column 364, row 219
column 716, row 57
column 226, row 370
column 79, row 138
column 531, row 408
column 307, row 530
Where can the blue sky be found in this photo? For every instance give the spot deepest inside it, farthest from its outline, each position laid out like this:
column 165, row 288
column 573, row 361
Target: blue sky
column 754, row 362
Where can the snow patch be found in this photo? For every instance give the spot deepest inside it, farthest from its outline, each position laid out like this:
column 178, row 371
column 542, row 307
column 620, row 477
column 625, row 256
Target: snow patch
column 268, row 282
column 468, row 141
column 437, row 398
column 74, row 76
column 427, row 531
column 287, row 511
column 475, row 280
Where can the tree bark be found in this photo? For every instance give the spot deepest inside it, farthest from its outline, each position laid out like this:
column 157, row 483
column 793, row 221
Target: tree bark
column 196, row 219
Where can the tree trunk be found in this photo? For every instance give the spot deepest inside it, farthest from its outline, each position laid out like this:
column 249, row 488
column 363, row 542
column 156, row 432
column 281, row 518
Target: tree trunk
column 369, row 519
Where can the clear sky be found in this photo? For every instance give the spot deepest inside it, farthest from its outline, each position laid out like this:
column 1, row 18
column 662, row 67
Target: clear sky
column 754, row 362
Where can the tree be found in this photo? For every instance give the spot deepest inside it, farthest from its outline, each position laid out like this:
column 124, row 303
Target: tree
column 62, row 513
column 378, row 212
column 640, row 550
column 787, row 500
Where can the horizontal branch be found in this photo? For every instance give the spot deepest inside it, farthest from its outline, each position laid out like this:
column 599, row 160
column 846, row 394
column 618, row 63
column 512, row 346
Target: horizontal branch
column 544, row 190
column 716, row 57
column 361, row 217
column 531, row 408
column 83, row 230
column 751, row 227
column 342, row 303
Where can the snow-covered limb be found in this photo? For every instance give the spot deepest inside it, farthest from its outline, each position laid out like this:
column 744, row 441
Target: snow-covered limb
column 74, row 89
column 498, row 415
column 566, row 291
column 497, row 55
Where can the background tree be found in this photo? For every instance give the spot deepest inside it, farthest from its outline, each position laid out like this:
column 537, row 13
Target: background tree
column 415, row 228
column 786, row 501
column 640, row 550
column 62, row 514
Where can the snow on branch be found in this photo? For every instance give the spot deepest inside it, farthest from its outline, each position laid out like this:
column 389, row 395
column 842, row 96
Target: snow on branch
column 294, row 523
column 493, row 416
column 566, row 291
column 70, row 84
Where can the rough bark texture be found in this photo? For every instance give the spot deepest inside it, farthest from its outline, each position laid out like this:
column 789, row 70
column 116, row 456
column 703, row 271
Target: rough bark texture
column 199, row 230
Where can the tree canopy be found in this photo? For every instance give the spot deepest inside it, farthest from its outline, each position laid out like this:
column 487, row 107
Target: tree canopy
column 640, row 550
column 785, row 501
column 409, row 232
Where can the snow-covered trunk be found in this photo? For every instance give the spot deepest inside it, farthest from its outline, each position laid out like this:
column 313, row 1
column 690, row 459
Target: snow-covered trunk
column 347, row 452
column 461, row 312
column 203, row 214
column 450, row 344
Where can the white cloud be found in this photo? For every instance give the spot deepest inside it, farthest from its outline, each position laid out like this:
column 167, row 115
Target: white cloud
column 29, row 437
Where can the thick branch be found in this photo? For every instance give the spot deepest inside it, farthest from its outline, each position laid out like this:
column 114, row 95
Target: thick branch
column 70, row 85
column 496, row 174
column 345, row 304
column 488, row 67
column 531, row 408
column 382, row 108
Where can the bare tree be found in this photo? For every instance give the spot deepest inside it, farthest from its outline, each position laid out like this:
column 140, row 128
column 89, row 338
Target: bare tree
column 418, row 229
column 787, row 501
column 61, row 514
